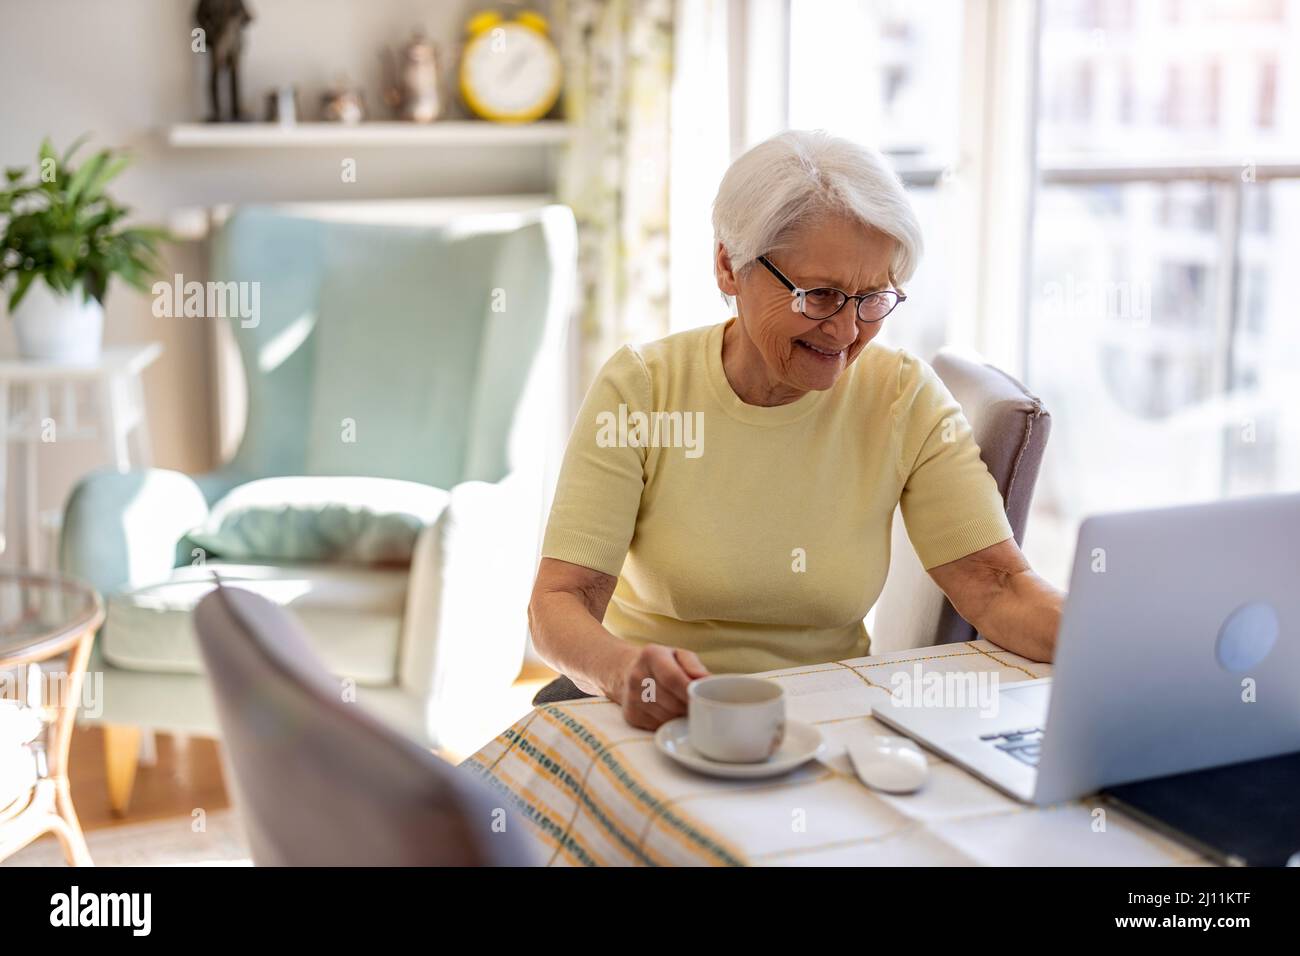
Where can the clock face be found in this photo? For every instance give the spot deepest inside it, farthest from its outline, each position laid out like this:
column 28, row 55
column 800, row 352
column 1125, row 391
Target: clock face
column 511, row 71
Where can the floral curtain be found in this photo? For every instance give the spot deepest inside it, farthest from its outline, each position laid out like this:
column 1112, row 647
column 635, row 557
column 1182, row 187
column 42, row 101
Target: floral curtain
column 618, row 57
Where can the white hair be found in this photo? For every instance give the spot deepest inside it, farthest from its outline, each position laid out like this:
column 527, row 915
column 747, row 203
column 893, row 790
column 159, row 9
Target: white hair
column 800, row 175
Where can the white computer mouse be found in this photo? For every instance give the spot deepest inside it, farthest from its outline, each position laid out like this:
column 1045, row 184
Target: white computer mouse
column 889, row 764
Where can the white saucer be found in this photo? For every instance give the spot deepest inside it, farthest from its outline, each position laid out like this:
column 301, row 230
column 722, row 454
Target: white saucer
column 802, row 743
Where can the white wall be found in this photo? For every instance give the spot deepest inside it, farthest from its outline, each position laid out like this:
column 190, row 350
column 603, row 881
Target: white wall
column 123, row 70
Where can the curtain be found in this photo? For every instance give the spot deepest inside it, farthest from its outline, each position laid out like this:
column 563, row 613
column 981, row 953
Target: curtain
column 618, row 59
column 702, row 114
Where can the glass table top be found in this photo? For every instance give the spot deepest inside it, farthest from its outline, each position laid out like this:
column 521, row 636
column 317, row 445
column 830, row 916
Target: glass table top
column 41, row 612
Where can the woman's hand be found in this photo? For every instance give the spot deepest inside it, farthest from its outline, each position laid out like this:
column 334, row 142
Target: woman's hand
column 565, row 613
column 652, row 689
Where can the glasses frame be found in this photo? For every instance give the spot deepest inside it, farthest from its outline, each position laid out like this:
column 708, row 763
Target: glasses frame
column 799, row 297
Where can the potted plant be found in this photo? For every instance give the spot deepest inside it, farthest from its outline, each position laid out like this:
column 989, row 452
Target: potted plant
column 61, row 240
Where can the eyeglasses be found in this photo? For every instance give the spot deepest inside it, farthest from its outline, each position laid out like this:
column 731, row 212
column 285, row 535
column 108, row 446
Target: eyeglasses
column 821, row 304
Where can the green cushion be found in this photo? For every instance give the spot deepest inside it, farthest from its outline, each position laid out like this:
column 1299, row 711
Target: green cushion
column 366, row 521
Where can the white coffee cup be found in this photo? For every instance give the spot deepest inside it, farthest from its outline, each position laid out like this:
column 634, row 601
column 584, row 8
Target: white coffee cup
column 736, row 719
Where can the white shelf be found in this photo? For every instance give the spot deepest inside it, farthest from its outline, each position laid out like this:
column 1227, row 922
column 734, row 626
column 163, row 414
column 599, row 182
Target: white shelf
column 444, row 133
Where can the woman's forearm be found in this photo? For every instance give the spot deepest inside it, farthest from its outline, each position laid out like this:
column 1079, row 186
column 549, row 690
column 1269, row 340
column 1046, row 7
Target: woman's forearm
column 999, row 593
column 1024, row 616
column 573, row 642
column 648, row 681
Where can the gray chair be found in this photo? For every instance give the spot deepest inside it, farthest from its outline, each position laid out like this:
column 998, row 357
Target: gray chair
column 1011, row 426
column 317, row 780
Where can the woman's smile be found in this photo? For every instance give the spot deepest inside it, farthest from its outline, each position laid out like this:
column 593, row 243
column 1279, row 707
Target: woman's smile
column 774, row 354
column 822, row 353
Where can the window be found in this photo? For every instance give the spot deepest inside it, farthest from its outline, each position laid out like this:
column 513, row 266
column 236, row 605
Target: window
column 1161, row 329
column 1110, row 194
column 887, row 73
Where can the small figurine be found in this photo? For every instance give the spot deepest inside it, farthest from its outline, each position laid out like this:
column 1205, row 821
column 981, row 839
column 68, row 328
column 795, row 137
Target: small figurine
column 342, row 103
column 222, row 23
column 411, row 81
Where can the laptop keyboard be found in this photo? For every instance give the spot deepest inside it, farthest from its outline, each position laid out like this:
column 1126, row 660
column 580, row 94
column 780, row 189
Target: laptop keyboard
column 1024, row 745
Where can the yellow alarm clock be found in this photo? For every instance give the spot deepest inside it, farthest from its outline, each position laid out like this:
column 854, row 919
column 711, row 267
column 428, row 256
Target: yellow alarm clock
column 510, row 71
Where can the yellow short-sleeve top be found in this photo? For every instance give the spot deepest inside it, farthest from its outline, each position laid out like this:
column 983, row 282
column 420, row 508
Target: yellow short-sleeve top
column 758, row 537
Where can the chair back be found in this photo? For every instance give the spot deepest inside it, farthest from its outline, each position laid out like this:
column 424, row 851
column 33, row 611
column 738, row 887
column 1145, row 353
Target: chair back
column 1011, row 426
column 395, row 349
column 320, row 782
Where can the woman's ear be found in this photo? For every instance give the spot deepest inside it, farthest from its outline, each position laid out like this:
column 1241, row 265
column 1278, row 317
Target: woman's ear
column 722, row 271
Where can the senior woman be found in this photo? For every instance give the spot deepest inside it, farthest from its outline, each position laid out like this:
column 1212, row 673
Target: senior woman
column 761, row 540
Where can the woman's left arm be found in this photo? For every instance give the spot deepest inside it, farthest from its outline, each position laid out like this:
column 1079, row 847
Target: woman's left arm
column 999, row 593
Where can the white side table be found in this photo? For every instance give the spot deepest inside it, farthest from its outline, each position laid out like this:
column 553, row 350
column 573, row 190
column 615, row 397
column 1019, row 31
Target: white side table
column 43, row 402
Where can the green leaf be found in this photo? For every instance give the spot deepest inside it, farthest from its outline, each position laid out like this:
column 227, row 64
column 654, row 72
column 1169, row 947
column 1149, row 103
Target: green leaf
column 71, row 150
column 65, row 246
column 149, row 233
column 85, row 174
column 96, row 286
column 92, row 224
column 105, row 173
column 20, row 289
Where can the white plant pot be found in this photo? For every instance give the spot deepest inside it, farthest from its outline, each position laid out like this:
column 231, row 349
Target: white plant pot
column 51, row 327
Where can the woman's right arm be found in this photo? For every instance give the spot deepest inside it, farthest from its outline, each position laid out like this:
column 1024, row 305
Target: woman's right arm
column 565, row 613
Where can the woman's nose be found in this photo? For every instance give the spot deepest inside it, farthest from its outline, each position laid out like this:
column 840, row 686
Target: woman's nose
column 842, row 326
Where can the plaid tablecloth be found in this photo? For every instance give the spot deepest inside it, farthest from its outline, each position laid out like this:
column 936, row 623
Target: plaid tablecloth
column 592, row 790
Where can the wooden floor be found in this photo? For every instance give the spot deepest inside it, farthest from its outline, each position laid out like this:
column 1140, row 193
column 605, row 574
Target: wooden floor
column 186, row 777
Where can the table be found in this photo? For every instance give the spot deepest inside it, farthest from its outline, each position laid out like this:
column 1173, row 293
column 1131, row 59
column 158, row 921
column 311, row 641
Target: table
column 39, row 404
column 592, row 790
column 42, row 617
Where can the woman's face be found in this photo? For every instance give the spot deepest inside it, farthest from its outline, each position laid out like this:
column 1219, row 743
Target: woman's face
column 798, row 354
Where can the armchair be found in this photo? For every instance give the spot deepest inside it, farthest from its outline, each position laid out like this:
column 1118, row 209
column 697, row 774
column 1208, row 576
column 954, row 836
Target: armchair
column 430, row 353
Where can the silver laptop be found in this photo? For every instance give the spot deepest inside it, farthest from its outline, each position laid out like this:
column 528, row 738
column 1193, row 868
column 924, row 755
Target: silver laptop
column 1179, row 649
